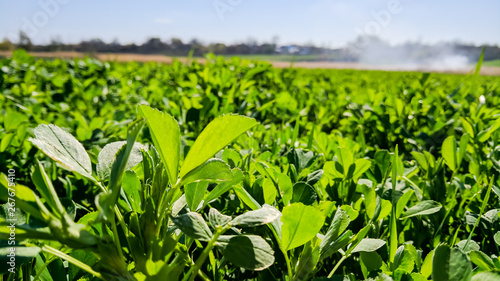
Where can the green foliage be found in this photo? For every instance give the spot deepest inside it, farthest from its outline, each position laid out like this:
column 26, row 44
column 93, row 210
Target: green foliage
column 423, row 208
column 63, row 148
column 450, row 264
column 300, row 224
column 218, row 134
column 247, row 251
column 234, row 170
column 166, row 138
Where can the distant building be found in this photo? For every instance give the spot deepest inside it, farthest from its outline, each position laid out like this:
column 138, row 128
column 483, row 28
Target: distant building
column 293, row 50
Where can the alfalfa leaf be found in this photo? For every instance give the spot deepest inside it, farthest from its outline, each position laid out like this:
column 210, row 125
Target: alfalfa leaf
column 63, row 148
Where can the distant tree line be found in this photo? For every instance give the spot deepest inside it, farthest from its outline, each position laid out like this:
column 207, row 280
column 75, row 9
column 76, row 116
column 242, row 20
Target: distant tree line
column 354, row 51
column 172, row 47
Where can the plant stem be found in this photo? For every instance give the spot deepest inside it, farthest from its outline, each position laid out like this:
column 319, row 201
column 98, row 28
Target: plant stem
column 102, row 187
column 203, row 276
column 393, row 229
column 337, row 266
column 117, row 238
column 287, row 260
column 117, row 210
column 42, row 268
column 485, row 202
column 447, row 214
column 71, row 260
column 26, row 272
column 200, row 273
column 201, row 259
column 167, row 196
column 288, row 264
column 119, row 216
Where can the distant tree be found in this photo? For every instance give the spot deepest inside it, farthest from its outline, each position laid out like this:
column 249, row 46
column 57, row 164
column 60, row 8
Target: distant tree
column 24, row 41
column 178, row 47
column 176, row 43
column 267, row 49
column 239, row 49
column 55, row 45
column 218, row 49
column 197, row 47
column 6, row 45
column 153, row 45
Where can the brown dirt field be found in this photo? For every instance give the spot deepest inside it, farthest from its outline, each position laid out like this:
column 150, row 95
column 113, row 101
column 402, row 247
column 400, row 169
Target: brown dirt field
column 485, row 70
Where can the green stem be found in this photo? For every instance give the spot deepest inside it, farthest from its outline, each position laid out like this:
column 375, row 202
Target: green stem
column 167, row 196
column 485, row 202
column 117, row 238
column 288, row 264
column 200, row 273
column 160, row 220
column 201, row 259
column 42, row 268
column 117, row 210
column 455, row 236
column 337, row 266
column 119, row 216
column 393, row 230
column 203, row 276
column 451, row 208
column 287, row 260
column 26, row 272
column 71, row 260
column 447, row 214
column 102, row 187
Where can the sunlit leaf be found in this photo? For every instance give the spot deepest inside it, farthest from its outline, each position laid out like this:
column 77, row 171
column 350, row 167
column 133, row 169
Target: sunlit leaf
column 300, row 224
column 63, row 148
column 166, row 138
column 216, row 135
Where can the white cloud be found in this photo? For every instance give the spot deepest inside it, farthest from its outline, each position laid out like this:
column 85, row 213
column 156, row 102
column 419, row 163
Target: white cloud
column 164, row 20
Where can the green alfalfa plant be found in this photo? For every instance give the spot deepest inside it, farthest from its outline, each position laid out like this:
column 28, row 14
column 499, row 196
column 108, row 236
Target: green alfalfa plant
column 66, row 150
column 145, row 231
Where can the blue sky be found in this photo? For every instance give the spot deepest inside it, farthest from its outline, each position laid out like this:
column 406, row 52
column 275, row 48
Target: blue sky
column 324, row 23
